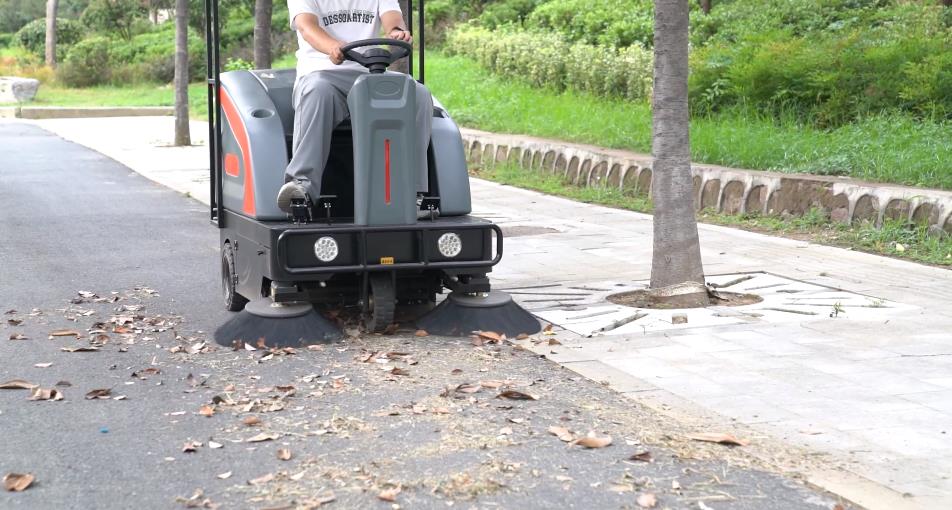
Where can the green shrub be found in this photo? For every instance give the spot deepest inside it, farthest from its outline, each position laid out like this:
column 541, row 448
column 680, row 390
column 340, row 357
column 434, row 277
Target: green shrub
column 32, row 36
column 87, row 64
column 507, row 12
column 827, row 79
column 547, row 60
column 6, row 40
column 113, row 16
column 609, row 22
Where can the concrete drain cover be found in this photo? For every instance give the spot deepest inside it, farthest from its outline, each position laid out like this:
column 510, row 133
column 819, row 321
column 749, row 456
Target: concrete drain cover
column 586, row 311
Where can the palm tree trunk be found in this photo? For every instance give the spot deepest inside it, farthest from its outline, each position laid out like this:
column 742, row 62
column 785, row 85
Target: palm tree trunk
column 262, row 34
column 403, row 65
column 182, row 136
column 676, row 255
column 52, row 6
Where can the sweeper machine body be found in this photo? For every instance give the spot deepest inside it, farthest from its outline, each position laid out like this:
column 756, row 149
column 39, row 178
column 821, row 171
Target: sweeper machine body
column 370, row 239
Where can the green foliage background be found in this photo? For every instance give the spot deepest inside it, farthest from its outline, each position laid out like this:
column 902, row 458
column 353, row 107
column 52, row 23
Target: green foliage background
column 825, row 62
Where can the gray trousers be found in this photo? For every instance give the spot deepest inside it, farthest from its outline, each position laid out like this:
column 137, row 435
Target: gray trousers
column 320, row 104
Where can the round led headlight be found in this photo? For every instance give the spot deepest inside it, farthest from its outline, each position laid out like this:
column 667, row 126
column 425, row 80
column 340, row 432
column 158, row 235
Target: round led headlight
column 449, row 244
column 325, row 249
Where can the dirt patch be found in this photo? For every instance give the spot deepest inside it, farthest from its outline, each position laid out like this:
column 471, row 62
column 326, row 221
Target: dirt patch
column 644, row 299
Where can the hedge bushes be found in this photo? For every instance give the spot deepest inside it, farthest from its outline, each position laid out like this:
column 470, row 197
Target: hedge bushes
column 607, row 22
column 827, row 80
column 32, row 36
column 547, row 60
column 825, row 62
column 146, row 57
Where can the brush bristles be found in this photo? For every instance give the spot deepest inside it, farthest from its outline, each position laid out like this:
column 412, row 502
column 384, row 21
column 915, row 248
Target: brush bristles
column 308, row 329
column 452, row 319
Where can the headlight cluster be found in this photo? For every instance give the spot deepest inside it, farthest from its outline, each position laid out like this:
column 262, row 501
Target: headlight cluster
column 325, row 249
column 449, row 244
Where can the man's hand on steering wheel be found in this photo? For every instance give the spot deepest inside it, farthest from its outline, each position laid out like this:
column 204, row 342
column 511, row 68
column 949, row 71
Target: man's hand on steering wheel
column 336, row 55
column 400, row 35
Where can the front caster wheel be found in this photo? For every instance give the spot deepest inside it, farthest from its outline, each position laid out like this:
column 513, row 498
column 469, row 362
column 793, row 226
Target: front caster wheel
column 382, row 301
column 234, row 302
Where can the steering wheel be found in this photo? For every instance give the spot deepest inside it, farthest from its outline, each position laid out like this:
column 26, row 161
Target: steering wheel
column 377, row 60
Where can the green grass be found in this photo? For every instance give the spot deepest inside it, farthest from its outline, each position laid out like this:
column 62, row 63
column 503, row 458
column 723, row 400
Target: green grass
column 887, row 148
column 894, row 239
column 136, row 95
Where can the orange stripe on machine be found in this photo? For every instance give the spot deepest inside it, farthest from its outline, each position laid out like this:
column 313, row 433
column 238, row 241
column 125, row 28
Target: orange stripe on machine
column 241, row 135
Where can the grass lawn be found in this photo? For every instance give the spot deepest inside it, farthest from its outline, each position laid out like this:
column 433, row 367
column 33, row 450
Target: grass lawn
column 888, row 148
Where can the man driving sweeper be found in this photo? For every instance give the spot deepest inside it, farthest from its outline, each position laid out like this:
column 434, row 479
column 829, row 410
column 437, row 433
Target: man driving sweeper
column 324, row 78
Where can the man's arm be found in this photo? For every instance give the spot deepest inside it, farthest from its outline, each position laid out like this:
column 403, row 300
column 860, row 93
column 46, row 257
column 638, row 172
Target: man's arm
column 318, row 38
column 394, row 27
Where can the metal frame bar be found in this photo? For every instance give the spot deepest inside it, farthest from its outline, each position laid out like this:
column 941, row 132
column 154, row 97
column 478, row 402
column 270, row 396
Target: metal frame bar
column 213, row 80
column 362, row 249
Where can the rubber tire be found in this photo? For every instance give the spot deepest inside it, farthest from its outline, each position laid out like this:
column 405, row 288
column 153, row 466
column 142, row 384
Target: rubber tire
column 383, row 300
column 234, row 302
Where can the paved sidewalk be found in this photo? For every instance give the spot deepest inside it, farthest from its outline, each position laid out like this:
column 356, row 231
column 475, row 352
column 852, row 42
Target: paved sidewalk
column 868, row 391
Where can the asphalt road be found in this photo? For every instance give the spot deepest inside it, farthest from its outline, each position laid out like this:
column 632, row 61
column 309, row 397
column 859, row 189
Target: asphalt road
column 72, row 220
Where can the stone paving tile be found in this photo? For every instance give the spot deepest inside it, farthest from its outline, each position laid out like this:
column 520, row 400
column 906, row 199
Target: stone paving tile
column 907, row 441
column 747, row 409
column 892, row 383
column 767, row 344
column 755, row 359
column 646, row 367
column 605, row 374
column 940, row 400
column 705, row 343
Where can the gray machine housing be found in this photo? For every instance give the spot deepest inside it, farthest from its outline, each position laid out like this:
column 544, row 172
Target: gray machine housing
column 263, row 99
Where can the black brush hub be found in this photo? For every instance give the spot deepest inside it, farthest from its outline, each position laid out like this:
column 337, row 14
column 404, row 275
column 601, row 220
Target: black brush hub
column 460, row 314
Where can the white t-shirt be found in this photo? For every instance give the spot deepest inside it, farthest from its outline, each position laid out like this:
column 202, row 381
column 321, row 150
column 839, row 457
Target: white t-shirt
column 344, row 20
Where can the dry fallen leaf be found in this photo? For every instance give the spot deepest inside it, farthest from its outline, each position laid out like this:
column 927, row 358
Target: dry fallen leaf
column 17, row 482
column 457, row 371
column 718, row 437
column 102, row 393
column 43, row 365
column 644, row 456
column 264, row 436
column 214, row 446
column 225, row 475
column 261, row 479
column 79, row 349
column 64, row 332
column 38, row 393
column 491, row 336
column 145, row 372
column 492, row 384
column 251, row 420
column 17, row 384
column 592, row 441
column 421, row 333
column 647, row 500
column 516, row 395
column 18, row 336
column 561, row 433
column 206, row 411
column 399, row 371
column 284, row 454
column 389, row 494
column 191, row 446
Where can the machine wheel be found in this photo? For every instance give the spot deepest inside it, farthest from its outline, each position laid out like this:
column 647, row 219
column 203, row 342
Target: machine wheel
column 234, row 302
column 383, row 299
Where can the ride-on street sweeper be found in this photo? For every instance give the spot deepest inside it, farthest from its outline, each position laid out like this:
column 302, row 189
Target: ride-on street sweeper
column 370, row 239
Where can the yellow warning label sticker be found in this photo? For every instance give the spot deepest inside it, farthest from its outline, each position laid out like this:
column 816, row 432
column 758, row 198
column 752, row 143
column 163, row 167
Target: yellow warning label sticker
column 387, row 261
